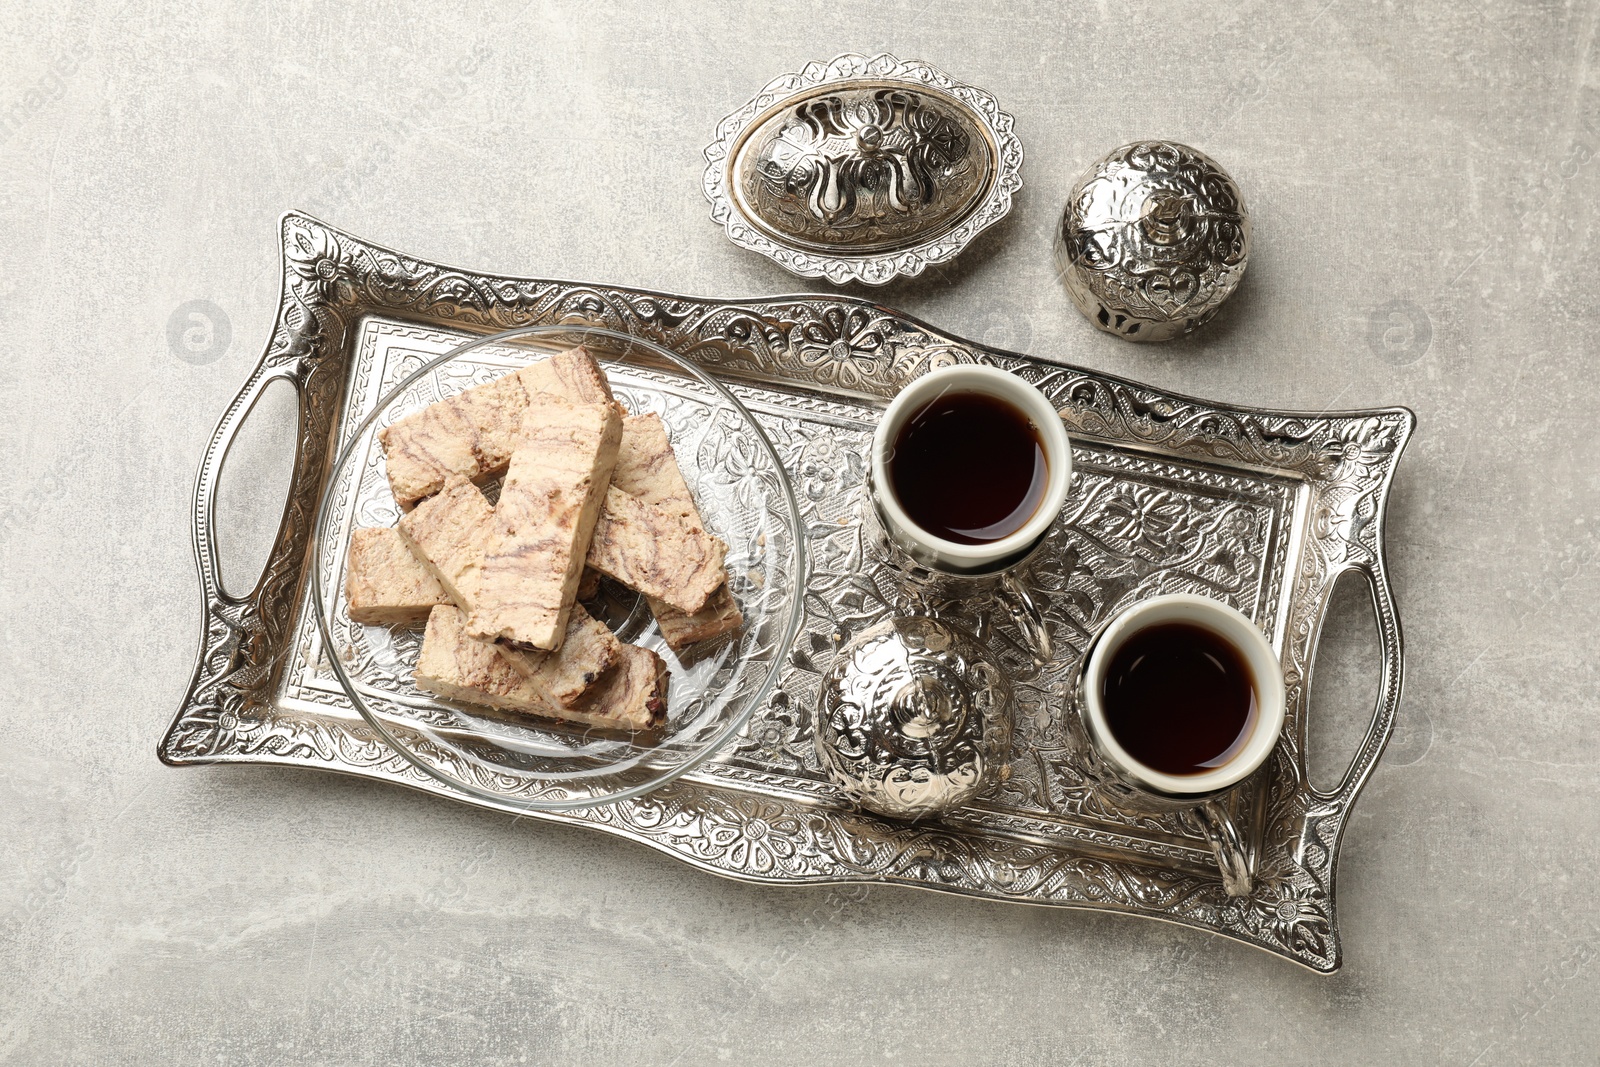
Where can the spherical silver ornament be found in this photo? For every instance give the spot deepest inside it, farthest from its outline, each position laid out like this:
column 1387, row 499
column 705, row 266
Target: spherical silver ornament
column 1154, row 237
column 914, row 718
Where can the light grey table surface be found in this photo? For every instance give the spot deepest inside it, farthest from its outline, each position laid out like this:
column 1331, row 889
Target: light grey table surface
column 1424, row 187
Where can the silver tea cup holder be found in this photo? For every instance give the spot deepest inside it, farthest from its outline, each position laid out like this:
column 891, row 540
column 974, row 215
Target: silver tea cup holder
column 1202, row 801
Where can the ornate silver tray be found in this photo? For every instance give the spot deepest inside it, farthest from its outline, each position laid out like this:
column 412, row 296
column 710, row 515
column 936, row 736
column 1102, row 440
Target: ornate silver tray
column 1264, row 510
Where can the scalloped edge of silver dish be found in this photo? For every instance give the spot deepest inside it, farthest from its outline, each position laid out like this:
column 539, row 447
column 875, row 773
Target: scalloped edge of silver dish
column 870, row 268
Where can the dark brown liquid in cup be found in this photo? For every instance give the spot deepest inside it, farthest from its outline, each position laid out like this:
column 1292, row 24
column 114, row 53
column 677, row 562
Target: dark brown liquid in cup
column 969, row 468
column 1179, row 698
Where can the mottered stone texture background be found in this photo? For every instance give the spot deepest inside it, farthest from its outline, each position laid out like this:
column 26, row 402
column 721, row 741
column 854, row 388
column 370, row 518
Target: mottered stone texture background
column 1426, row 197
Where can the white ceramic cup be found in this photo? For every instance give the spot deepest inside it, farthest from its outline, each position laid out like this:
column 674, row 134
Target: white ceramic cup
column 1230, row 625
column 951, row 557
column 1140, row 785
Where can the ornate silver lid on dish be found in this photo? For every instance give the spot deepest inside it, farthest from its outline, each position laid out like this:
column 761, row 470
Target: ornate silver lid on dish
column 1153, row 239
column 862, row 168
column 914, row 718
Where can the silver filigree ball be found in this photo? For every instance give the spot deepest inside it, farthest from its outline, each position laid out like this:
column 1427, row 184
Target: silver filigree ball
column 1154, row 237
column 914, row 719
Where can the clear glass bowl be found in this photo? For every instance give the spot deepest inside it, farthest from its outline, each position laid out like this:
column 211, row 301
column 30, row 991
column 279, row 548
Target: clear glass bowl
column 529, row 764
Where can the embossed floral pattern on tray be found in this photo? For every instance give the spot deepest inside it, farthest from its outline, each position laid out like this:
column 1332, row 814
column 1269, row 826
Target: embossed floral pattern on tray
column 1264, row 510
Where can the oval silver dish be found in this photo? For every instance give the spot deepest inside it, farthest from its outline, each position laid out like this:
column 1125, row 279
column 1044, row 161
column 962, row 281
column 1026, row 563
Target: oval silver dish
column 862, row 169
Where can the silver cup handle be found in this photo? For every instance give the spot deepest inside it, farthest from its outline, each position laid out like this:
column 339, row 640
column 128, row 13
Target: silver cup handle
column 1235, row 856
column 1025, row 612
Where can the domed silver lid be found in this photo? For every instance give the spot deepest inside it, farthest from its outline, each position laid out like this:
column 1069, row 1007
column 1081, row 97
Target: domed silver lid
column 1153, row 239
column 862, row 168
column 914, row 718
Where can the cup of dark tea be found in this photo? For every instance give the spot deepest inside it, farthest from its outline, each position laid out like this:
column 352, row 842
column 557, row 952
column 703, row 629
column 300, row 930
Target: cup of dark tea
column 1182, row 698
column 970, row 467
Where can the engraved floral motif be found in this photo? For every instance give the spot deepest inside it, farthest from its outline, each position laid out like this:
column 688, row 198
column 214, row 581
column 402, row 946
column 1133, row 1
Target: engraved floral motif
column 826, row 469
column 1294, row 914
column 841, row 346
column 314, row 256
column 755, row 836
column 863, row 166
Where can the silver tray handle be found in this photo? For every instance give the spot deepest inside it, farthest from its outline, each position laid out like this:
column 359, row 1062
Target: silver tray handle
column 243, row 635
column 1391, row 651
column 210, row 478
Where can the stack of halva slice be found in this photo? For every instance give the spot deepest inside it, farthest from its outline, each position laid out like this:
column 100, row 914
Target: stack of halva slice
column 588, row 490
